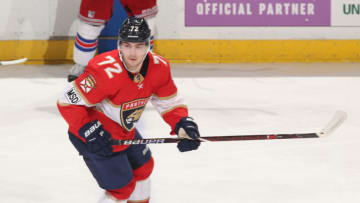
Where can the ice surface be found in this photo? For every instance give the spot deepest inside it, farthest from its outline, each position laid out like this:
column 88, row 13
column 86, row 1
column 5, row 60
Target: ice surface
column 39, row 164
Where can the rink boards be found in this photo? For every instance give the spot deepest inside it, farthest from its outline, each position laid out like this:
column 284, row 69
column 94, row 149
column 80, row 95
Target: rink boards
column 202, row 51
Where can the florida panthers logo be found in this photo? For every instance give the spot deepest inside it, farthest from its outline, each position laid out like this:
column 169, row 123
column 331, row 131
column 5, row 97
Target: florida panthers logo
column 134, row 116
column 131, row 112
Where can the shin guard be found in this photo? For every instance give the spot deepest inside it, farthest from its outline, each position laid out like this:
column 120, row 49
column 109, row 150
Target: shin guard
column 86, row 42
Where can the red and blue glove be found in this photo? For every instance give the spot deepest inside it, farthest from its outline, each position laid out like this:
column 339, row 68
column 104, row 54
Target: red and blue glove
column 97, row 138
column 187, row 129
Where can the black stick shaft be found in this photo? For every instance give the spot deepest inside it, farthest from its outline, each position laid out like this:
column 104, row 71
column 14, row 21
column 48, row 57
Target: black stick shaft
column 217, row 138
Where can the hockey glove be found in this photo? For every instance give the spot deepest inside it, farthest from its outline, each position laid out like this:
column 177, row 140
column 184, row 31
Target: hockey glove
column 187, row 129
column 97, row 139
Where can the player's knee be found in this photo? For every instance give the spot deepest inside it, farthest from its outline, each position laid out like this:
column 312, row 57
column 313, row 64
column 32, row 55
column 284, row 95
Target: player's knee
column 124, row 192
column 139, row 187
column 141, row 193
column 144, row 171
column 89, row 31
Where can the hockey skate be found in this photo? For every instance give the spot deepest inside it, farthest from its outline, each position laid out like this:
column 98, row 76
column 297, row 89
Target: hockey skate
column 75, row 71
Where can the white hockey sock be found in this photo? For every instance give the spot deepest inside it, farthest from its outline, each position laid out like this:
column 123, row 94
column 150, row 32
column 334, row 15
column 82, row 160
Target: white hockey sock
column 108, row 198
column 141, row 192
column 86, row 42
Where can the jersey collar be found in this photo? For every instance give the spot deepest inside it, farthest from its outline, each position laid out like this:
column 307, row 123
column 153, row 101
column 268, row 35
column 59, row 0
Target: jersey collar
column 143, row 71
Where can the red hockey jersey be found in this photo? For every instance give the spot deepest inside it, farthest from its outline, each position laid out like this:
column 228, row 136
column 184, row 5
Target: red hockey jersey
column 108, row 92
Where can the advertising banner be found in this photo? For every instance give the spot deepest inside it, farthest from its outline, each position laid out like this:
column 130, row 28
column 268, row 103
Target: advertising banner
column 345, row 13
column 257, row 13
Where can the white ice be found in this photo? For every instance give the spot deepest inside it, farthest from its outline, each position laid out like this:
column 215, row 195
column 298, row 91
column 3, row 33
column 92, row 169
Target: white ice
column 39, row 164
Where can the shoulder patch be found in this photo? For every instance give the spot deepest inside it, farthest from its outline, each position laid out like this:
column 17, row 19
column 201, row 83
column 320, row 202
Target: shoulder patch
column 72, row 96
column 87, row 84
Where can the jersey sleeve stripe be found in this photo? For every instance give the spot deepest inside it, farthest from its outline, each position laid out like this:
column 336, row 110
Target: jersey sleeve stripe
column 165, row 98
column 175, row 107
column 162, row 105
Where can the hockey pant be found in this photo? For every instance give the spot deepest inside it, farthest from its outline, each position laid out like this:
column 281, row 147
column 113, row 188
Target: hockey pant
column 124, row 175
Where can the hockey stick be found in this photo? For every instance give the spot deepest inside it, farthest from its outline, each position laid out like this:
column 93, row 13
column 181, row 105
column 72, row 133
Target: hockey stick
column 13, row 62
column 334, row 123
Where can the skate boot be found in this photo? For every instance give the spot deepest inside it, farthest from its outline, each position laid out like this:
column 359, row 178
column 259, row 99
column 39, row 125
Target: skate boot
column 75, row 71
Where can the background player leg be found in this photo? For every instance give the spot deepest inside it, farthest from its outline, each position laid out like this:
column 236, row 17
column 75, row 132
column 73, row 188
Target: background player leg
column 85, row 47
column 92, row 16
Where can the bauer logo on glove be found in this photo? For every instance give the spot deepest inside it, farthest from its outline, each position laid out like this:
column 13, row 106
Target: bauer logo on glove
column 92, row 129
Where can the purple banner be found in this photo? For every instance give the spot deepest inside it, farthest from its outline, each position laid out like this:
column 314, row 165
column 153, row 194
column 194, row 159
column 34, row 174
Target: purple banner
column 257, row 12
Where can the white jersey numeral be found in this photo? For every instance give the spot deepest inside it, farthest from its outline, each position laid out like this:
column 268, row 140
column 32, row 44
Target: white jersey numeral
column 157, row 59
column 110, row 70
column 109, row 61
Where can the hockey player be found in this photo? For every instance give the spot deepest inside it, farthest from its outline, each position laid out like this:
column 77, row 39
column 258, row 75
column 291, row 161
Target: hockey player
column 107, row 100
column 93, row 16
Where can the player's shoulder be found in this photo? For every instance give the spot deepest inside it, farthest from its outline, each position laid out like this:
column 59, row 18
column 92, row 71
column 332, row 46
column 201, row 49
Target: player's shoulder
column 158, row 62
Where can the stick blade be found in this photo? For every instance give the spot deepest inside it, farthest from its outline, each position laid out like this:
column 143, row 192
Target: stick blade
column 13, row 62
column 334, row 123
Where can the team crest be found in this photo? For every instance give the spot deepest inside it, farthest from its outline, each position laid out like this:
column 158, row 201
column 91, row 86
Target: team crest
column 131, row 112
column 138, row 78
column 87, row 84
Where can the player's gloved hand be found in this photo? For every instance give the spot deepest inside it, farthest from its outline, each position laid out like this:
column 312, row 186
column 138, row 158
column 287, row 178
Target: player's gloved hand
column 187, row 129
column 97, row 138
